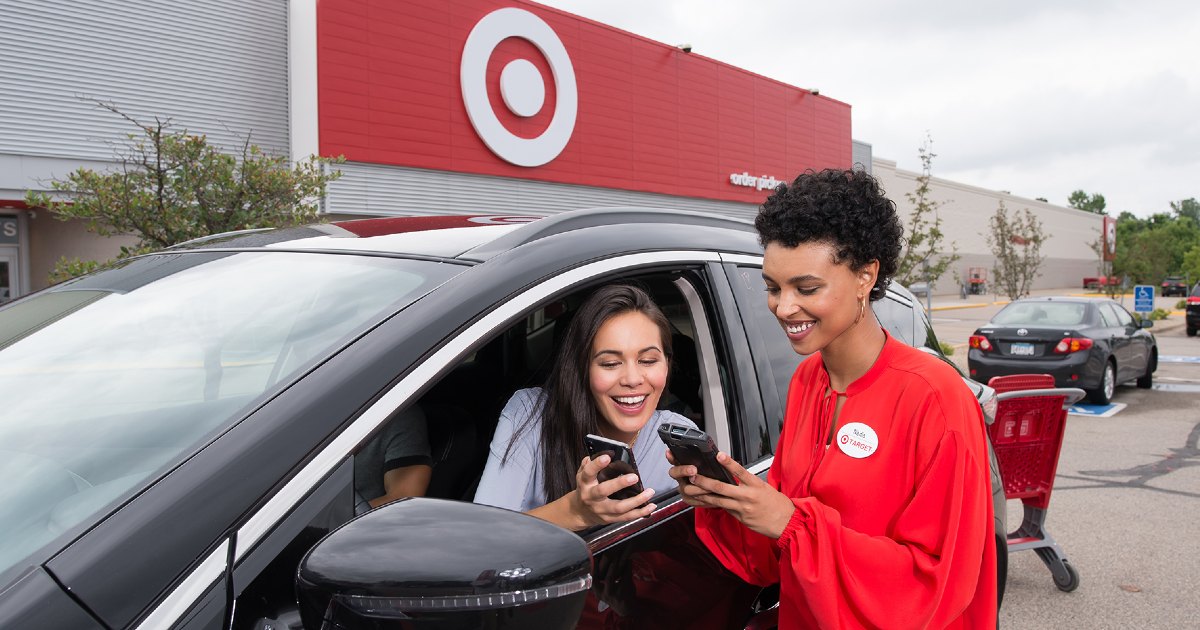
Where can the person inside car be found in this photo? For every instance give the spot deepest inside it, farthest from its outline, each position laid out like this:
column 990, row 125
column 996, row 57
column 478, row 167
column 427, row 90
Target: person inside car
column 607, row 380
column 394, row 464
column 877, row 509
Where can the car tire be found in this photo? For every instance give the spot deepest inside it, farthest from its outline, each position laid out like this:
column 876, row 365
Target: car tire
column 1191, row 331
column 1146, row 381
column 1001, row 567
column 1108, row 385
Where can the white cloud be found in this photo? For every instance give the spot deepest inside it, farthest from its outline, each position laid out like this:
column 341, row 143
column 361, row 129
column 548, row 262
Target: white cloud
column 1033, row 97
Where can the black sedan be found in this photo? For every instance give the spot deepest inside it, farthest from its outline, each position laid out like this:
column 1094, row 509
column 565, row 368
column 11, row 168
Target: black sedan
column 1174, row 285
column 180, row 430
column 1090, row 343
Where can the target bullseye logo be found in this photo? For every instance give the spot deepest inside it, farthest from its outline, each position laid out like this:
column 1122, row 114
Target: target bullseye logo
column 521, row 87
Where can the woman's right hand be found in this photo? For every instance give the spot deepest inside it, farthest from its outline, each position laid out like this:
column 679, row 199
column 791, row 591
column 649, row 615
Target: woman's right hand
column 590, row 500
column 684, row 475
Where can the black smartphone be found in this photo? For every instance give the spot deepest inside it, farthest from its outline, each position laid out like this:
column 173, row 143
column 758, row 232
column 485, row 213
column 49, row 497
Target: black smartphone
column 693, row 447
column 621, row 462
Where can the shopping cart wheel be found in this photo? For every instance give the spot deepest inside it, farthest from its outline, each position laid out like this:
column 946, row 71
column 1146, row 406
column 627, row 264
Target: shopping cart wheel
column 1072, row 581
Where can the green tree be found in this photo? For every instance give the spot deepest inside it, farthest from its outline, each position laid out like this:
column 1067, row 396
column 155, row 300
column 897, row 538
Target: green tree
column 1083, row 201
column 1187, row 208
column 1016, row 243
column 923, row 258
column 170, row 186
column 1191, row 263
column 1149, row 249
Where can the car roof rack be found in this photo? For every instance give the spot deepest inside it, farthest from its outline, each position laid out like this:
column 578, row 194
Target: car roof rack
column 593, row 217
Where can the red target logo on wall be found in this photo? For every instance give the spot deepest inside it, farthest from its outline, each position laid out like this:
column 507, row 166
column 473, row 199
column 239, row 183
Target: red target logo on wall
column 522, row 87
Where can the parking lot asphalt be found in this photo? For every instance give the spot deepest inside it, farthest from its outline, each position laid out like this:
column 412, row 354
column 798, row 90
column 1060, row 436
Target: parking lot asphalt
column 1126, row 496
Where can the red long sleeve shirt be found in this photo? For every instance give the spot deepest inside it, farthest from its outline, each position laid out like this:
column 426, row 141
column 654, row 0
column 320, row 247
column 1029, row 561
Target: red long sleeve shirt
column 893, row 525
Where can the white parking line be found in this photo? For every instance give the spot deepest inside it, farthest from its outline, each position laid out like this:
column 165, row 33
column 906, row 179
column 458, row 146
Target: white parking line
column 1190, row 388
column 1170, row 358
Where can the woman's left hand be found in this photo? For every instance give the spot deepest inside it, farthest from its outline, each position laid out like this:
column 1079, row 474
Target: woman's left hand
column 752, row 501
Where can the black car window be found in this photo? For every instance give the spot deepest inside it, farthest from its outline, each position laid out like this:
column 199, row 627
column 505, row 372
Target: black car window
column 1123, row 316
column 1108, row 318
column 1041, row 313
column 522, row 356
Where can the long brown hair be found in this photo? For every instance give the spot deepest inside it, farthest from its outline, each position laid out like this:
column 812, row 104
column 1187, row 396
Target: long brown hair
column 569, row 412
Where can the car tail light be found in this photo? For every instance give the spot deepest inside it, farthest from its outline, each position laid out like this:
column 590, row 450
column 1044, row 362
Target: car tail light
column 1165, row 284
column 1072, row 344
column 980, row 342
column 1194, row 300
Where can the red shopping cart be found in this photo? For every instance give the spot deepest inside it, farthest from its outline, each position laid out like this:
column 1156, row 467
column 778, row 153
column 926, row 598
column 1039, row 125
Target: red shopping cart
column 1031, row 418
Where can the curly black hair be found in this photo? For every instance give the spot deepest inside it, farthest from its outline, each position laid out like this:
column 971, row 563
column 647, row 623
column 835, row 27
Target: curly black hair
column 844, row 208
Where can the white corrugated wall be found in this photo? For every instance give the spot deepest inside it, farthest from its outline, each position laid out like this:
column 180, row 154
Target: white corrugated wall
column 387, row 190
column 217, row 67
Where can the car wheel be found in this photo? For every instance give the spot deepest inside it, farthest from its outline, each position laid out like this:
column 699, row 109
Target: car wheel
column 1001, row 567
column 1146, row 381
column 1191, row 331
column 1108, row 384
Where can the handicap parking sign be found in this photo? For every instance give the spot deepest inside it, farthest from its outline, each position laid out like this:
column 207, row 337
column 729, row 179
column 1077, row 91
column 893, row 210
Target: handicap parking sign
column 1143, row 298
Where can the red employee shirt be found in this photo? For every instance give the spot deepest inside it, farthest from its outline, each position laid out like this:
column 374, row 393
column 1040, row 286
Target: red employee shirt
column 899, row 538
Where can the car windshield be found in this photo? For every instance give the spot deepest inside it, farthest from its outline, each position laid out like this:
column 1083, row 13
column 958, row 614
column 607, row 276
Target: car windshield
column 1041, row 314
column 110, row 380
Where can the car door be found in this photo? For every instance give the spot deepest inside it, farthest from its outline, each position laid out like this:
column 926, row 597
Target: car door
column 655, row 572
column 660, row 557
column 1120, row 329
column 1136, row 342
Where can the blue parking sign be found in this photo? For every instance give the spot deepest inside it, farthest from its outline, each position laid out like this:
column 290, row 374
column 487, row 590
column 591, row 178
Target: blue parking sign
column 1143, row 298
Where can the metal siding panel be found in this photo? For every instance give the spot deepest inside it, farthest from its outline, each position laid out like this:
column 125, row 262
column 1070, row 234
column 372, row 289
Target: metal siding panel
column 861, row 152
column 398, row 191
column 214, row 67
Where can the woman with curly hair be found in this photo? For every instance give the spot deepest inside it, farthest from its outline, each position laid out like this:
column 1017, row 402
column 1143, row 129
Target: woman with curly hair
column 877, row 509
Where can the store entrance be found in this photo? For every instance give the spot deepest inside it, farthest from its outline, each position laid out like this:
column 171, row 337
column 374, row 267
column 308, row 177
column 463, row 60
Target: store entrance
column 9, row 274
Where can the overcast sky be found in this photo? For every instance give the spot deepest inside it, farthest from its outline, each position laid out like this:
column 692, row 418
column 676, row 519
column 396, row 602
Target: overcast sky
column 1036, row 98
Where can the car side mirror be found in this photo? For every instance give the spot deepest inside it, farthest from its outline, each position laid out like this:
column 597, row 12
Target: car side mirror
column 1147, row 323
column 433, row 563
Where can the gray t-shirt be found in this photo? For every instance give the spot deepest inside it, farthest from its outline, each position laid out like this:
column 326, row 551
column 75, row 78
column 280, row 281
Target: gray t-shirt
column 403, row 442
column 516, row 484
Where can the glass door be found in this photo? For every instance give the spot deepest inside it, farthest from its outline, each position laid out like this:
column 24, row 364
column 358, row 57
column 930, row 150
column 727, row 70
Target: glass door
column 8, row 274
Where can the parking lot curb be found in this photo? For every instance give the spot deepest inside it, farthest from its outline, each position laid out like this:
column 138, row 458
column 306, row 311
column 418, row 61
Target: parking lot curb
column 951, row 307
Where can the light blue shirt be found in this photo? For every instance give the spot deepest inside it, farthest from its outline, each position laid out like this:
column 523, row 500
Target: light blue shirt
column 516, row 484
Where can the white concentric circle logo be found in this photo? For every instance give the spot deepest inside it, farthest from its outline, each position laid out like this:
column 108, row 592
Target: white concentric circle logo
column 521, row 87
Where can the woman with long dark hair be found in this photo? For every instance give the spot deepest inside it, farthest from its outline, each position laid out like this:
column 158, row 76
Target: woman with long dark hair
column 607, row 380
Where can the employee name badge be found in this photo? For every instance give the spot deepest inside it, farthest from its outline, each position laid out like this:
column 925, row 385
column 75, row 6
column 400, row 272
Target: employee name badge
column 857, row 440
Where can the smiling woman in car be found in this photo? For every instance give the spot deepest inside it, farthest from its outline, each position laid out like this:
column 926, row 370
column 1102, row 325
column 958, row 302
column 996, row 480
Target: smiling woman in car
column 607, row 380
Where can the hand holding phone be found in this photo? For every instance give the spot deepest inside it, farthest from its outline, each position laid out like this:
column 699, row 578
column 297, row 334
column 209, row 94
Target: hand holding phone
column 621, row 462
column 693, row 447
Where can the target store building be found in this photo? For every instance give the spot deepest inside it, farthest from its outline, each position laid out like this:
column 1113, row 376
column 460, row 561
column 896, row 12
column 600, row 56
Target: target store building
column 439, row 106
